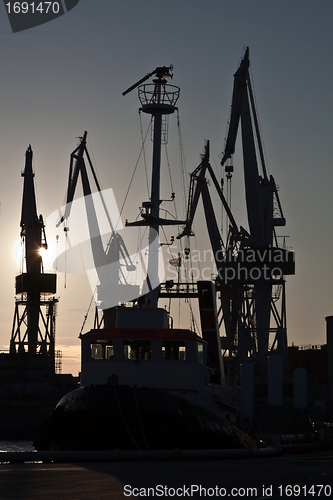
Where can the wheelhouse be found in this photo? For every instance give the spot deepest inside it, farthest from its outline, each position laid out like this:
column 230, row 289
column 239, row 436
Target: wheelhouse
column 173, row 359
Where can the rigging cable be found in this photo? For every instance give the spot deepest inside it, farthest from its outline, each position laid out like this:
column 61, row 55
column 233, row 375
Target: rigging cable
column 260, row 144
column 66, row 247
column 185, row 187
column 172, row 190
column 222, row 183
column 185, row 184
column 94, row 162
column 86, row 315
column 133, row 174
column 143, row 150
column 185, row 190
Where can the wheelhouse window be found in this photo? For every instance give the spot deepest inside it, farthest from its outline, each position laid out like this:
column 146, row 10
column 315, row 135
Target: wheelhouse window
column 201, row 353
column 137, row 349
column 102, row 349
column 173, row 349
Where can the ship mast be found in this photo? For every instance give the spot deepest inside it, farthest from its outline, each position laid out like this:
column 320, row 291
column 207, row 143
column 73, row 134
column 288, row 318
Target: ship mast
column 157, row 99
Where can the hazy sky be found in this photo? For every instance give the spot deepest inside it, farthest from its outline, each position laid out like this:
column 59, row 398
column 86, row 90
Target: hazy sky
column 68, row 76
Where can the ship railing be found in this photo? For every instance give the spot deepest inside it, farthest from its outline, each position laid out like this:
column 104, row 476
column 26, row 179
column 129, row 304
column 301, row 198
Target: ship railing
column 285, row 247
column 308, row 347
column 168, row 94
column 177, row 289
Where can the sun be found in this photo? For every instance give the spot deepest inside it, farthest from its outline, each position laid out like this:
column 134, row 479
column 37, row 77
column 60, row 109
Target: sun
column 48, row 255
column 43, row 252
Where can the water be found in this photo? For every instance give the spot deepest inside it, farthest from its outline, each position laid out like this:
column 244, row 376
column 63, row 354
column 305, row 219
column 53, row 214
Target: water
column 8, row 445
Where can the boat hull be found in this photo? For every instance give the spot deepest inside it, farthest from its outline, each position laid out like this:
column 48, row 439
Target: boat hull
column 106, row 417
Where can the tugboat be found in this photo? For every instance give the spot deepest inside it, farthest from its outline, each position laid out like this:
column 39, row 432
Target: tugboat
column 145, row 384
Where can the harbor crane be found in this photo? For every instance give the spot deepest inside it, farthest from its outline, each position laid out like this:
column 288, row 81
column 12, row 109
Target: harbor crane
column 115, row 251
column 33, row 330
column 251, row 265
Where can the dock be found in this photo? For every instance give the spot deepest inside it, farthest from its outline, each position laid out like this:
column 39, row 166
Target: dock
column 258, row 477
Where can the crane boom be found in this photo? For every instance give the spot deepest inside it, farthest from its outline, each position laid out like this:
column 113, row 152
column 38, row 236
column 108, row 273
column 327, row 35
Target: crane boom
column 197, row 188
